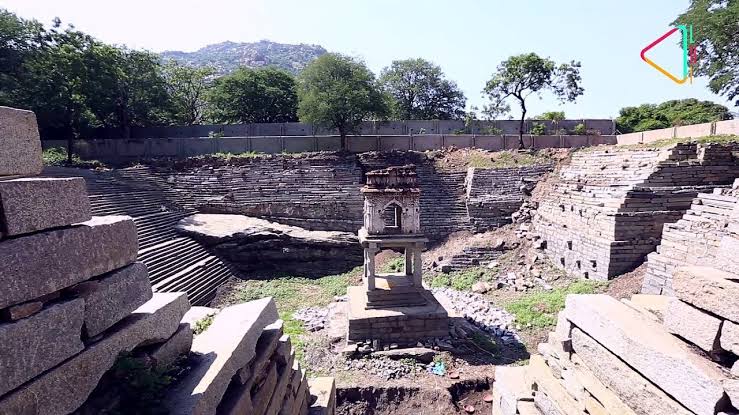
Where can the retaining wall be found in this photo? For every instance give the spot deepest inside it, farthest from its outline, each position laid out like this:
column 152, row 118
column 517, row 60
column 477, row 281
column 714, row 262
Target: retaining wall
column 122, row 150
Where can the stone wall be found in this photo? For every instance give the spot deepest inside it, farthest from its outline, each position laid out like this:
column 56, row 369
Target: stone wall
column 604, row 212
column 647, row 355
column 695, row 239
column 728, row 127
column 494, row 194
column 73, row 297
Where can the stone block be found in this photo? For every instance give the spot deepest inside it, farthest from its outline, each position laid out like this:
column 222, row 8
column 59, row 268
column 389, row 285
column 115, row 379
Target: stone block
column 708, row 289
column 693, row 325
column 654, row 303
column 114, row 296
column 228, row 345
column 178, row 345
column 635, row 391
column 30, row 205
column 66, row 387
column 20, row 143
column 324, row 389
column 601, row 392
column 32, row 345
column 509, row 387
column 649, row 349
column 729, row 339
column 198, row 313
column 41, row 263
column 23, row 310
column 732, row 389
column 542, row 377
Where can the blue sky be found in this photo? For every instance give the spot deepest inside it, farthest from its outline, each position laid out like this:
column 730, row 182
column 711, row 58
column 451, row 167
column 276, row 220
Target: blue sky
column 467, row 38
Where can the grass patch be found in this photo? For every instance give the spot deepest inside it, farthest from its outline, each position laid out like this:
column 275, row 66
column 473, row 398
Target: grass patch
column 396, row 264
column 539, row 309
column 57, row 156
column 462, row 280
column 502, row 159
column 293, row 293
column 236, row 156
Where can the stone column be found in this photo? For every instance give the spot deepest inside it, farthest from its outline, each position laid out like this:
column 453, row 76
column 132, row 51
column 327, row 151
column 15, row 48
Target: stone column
column 408, row 261
column 369, row 266
column 417, row 266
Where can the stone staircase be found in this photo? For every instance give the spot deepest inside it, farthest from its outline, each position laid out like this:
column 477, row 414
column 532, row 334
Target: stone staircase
column 605, row 210
column 175, row 262
column 443, row 207
column 474, row 256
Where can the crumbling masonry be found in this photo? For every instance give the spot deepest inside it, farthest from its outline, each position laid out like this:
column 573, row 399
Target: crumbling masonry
column 605, row 211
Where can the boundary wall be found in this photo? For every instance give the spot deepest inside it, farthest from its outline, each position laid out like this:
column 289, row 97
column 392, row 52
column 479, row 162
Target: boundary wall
column 727, row 127
column 128, row 149
column 406, row 127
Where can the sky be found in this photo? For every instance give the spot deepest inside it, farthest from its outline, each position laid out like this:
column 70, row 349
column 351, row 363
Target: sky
column 467, row 38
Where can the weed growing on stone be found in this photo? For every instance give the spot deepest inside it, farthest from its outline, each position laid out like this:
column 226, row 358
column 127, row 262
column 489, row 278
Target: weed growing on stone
column 229, row 156
column 396, row 264
column 539, row 309
column 484, row 342
column 203, row 324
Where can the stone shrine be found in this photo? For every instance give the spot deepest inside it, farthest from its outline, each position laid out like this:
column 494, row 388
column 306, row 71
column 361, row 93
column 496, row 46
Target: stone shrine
column 393, row 306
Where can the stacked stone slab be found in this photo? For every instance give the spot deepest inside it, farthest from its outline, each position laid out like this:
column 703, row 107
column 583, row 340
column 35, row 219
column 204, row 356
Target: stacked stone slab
column 605, row 210
column 243, row 363
column 616, row 357
column 494, row 194
column 705, row 235
column 73, row 297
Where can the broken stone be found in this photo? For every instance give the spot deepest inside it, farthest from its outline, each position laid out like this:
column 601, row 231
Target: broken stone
column 114, row 296
column 30, row 205
column 540, row 375
column 198, row 313
column 731, row 386
column 510, row 387
column 729, row 338
column 167, row 353
column 420, row 354
column 324, row 391
column 708, row 289
column 633, row 390
column 650, row 350
column 228, row 345
column 52, row 393
column 41, row 263
column 693, row 325
column 481, row 287
column 24, row 310
column 20, row 143
column 30, row 346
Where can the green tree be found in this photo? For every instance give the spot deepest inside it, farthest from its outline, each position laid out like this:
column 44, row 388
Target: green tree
column 717, row 39
column 337, row 91
column 187, row 87
column 421, row 92
column 551, row 116
column 522, row 75
column 254, row 95
column 669, row 114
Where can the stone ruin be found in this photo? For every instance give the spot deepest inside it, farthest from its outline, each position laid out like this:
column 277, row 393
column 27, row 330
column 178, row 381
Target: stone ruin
column 393, row 307
column 75, row 301
column 605, row 211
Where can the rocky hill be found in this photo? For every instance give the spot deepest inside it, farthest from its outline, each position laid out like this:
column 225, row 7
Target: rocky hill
column 227, row 56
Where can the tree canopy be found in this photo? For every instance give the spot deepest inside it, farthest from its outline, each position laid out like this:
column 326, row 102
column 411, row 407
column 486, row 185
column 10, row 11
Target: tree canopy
column 420, row 91
column 339, row 92
column 254, row 95
column 73, row 82
column 716, row 35
column 669, row 114
column 522, row 75
column 551, row 116
column 188, row 88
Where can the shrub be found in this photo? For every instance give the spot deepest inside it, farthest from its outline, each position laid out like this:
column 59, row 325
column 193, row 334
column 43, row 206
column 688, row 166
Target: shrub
column 538, row 129
column 579, row 129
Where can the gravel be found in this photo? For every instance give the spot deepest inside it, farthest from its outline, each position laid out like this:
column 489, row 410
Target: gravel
column 313, row 318
column 480, row 312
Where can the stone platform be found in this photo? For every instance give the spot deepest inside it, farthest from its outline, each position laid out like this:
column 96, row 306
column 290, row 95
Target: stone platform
column 395, row 324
